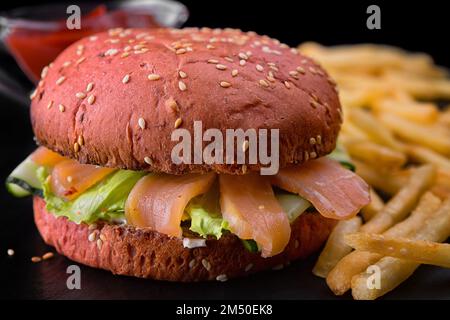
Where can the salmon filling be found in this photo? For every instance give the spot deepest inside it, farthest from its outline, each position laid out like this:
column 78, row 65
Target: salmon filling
column 245, row 205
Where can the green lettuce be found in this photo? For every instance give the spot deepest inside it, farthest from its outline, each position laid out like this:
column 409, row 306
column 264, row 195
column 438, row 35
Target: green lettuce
column 340, row 155
column 205, row 223
column 105, row 200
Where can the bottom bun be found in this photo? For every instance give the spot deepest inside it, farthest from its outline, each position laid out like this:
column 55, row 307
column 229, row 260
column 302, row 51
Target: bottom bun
column 126, row 250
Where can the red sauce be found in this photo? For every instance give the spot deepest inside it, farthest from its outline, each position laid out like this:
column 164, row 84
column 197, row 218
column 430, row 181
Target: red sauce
column 33, row 49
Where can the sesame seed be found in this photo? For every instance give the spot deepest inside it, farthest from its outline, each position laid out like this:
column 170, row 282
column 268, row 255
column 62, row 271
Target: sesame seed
column 293, row 74
column 178, row 123
column 10, row 252
column 90, row 86
column 213, row 61
column 181, row 51
column 312, row 141
column 222, row 277
column 76, row 147
column 225, row 84
column 274, row 68
column 125, row 54
column 60, row 80
column 93, row 38
column 313, row 155
column 263, row 83
column 47, row 255
column 148, row 160
column 260, row 68
column 319, row 139
column 50, row 104
column 245, row 145
column 36, row 259
column 314, row 103
column 33, row 94
column 141, row 123
column 287, row 84
column 271, row 79
column 221, row 66
column 61, row 108
column 243, row 56
column 300, row 69
column 242, row 62
column 91, row 99
column 191, row 263
column 92, row 226
column 80, row 95
column 69, row 179
column 182, row 74
column 313, row 71
column 111, row 52
column 99, row 244
column 126, row 79
column 103, row 237
column 153, row 77
column 229, row 59
column 294, row 51
column 206, row 264
column 261, row 207
column 182, row 85
column 248, row 267
column 44, row 72
column 210, row 47
column 172, row 104
column 80, row 60
column 234, row 73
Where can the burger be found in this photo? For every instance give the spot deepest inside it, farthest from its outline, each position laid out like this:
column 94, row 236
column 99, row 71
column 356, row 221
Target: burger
column 115, row 188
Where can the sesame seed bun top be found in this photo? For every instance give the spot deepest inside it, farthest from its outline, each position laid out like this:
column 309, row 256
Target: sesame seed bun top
column 113, row 99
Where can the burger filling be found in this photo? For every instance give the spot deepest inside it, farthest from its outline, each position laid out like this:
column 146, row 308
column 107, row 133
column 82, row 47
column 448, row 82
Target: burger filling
column 258, row 209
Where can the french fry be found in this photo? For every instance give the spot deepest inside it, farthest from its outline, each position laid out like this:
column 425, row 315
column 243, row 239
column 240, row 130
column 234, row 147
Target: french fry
column 425, row 155
column 426, row 113
column 393, row 271
column 427, row 136
column 339, row 278
column 375, row 205
column 335, row 248
column 377, row 131
column 420, row 251
column 386, row 182
column 403, row 202
column 375, row 154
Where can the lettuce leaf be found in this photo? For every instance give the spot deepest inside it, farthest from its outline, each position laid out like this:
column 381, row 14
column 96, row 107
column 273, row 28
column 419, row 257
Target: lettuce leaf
column 105, row 200
column 204, row 223
column 340, row 155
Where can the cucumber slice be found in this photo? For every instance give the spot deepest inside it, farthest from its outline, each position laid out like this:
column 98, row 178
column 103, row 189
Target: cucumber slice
column 23, row 181
column 292, row 204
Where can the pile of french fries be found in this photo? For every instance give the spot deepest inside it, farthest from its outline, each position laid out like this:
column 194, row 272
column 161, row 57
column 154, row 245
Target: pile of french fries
column 399, row 140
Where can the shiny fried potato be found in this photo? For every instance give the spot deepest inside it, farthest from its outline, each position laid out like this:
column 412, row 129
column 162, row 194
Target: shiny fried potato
column 373, row 128
column 427, row 136
column 375, row 154
column 339, row 278
column 395, row 270
column 420, row 251
column 335, row 248
column 375, row 205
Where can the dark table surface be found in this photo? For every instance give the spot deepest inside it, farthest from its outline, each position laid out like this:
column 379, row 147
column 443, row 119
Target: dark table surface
column 20, row 278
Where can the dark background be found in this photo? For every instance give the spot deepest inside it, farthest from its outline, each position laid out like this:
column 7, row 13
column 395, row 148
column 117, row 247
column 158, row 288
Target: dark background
column 417, row 27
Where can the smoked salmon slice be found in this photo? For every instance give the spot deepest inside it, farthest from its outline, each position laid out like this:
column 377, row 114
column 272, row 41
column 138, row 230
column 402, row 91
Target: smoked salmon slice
column 70, row 178
column 45, row 157
column 249, row 206
column 158, row 201
column 334, row 191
